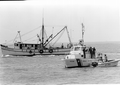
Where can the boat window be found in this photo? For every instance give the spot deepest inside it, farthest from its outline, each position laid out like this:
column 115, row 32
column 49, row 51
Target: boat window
column 77, row 48
column 28, row 45
column 20, row 46
column 19, row 42
column 25, row 45
column 35, row 46
column 15, row 44
column 32, row 45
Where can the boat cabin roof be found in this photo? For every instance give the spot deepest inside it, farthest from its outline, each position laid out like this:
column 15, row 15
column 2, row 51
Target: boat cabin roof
column 77, row 48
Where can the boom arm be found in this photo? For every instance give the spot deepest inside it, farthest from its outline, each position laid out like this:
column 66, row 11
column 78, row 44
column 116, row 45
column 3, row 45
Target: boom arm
column 48, row 39
column 55, row 36
column 68, row 35
column 38, row 37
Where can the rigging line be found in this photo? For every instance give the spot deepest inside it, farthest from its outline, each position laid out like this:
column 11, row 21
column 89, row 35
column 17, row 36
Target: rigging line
column 68, row 36
column 22, row 35
column 46, row 34
column 34, row 40
column 15, row 37
column 59, row 37
column 30, row 38
column 40, row 33
column 30, row 31
column 54, row 36
column 10, row 45
column 11, row 40
column 8, row 41
column 54, row 25
column 52, row 30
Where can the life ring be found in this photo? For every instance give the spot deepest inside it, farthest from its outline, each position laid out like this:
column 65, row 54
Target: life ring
column 50, row 50
column 94, row 64
column 41, row 51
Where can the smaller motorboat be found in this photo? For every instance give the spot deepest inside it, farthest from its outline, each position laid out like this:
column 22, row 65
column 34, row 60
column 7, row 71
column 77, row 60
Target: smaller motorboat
column 103, row 61
column 109, row 63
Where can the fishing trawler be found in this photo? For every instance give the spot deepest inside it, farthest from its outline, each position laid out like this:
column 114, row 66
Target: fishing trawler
column 43, row 48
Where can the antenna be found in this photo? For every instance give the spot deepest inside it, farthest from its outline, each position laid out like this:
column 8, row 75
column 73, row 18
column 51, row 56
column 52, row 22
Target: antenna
column 83, row 30
column 43, row 18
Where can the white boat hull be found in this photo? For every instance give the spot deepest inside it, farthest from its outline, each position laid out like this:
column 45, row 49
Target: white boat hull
column 78, row 62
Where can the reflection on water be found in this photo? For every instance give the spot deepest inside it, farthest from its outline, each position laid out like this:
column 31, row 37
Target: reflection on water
column 51, row 70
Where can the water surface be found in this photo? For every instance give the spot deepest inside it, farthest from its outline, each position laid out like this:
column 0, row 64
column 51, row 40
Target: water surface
column 50, row 70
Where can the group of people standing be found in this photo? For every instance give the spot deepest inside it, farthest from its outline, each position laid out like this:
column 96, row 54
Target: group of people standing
column 92, row 51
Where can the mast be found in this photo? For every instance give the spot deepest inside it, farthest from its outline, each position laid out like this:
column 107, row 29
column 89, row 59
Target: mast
column 20, row 36
column 83, row 33
column 43, row 31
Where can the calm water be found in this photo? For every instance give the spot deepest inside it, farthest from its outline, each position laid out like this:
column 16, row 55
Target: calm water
column 49, row 70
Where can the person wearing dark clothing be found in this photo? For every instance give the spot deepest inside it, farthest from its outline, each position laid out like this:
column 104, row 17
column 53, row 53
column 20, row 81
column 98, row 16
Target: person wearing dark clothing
column 62, row 46
column 94, row 51
column 84, row 50
column 91, row 52
column 101, row 59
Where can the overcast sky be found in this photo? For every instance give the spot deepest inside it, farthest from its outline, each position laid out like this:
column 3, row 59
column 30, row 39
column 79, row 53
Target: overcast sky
column 100, row 18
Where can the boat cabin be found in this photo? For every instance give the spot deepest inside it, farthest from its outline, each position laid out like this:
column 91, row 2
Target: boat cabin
column 26, row 46
column 77, row 50
column 82, row 52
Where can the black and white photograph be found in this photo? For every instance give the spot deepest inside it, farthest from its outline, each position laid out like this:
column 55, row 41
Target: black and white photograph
column 59, row 42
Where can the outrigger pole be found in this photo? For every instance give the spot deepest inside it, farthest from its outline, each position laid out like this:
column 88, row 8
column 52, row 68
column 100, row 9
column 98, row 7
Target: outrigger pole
column 68, row 36
column 55, row 36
